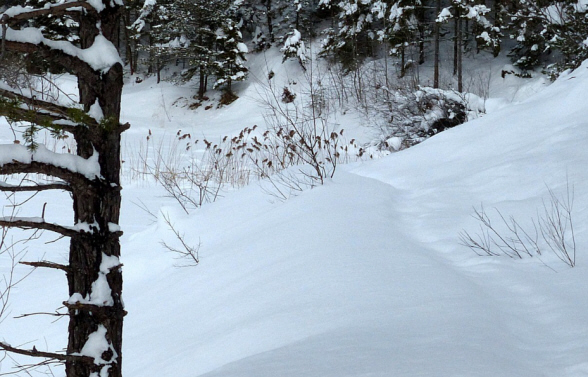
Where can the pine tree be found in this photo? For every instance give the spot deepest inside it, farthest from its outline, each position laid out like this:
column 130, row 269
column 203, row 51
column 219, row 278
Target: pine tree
column 187, row 31
column 485, row 34
column 570, row 36
column 399, row 27
column 295, row 48
column 352, row 40
column 230, row 56
column 543, row 27
column 272, row 21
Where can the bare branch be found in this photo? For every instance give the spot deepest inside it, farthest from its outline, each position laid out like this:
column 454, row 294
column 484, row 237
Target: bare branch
column 41, row 187
column 73, row 178
column 47, row 265
column 32, row 223
column 48, row 355
column 97, row 310
column 56, row 314
column 554, row 224
column 188, row 252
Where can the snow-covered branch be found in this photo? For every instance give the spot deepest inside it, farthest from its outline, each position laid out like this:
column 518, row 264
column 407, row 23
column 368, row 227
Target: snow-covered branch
column 19, row 13
column 146, row 10
column 48, row 355
column 70, row 168
column 39, row 187
column 101, row 56
column 37, row 223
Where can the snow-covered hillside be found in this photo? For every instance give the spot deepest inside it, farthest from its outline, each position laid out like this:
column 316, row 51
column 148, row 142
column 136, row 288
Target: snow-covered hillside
column 363, row 276
column 366, row 275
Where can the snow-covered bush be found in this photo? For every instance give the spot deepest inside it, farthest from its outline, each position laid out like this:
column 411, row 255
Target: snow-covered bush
column 414, row 116
column 294, row 48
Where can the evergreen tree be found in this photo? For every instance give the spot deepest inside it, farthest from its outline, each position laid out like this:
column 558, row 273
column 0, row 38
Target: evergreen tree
column 485, row 34
column 186, row 30
column 94, row 304
column 352, row 40
column 529, row 30
column 272, row 21
column 294, row 47
column 542, row 27
column 570, row 36
column 399, row 26
column 230, row 56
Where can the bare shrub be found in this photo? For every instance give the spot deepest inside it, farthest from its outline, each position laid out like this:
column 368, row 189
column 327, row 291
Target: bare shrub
column 552, row 230
column 300, row 130
column 185, row 252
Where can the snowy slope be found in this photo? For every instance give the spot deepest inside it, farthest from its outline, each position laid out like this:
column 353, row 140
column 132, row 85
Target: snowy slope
column 365, row 275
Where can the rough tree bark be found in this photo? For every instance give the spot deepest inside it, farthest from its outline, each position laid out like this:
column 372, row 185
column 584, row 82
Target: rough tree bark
column 437, row 38
column 94, row 241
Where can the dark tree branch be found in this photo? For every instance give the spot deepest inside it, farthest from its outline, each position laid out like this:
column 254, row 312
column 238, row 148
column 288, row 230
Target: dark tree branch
column 70, row 63
column 47, row 265
column 42, row 187
column 98, row 311
column 59, row 112
column 56, row 314
column 48, row 355
column 72, row 178
column 41, row 225
column 31, row 116
column 56, row 10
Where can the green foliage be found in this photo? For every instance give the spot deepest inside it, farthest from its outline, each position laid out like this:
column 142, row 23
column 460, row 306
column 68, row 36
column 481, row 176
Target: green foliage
column 108, row 124
column 29, row 136
column 9, row 107
column 79, row 116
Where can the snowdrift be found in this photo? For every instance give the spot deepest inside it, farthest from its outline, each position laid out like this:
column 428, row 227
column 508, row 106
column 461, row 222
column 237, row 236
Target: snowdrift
column 365, row 275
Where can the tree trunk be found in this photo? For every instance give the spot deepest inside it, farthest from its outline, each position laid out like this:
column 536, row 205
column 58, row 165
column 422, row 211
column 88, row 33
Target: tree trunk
column 202, row 83
column 459, row 55
column 94, row 246
column 437, row 37
column 420, row 13
column 455, row 44
column 98, row 206
column 402, row 61
column 270, row 21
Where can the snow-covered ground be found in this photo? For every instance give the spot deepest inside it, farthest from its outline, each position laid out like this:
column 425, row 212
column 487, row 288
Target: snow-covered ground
column 363, row 276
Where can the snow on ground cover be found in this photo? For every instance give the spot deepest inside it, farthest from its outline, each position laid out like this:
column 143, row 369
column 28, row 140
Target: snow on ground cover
column 362, row 276
column 365, row 276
